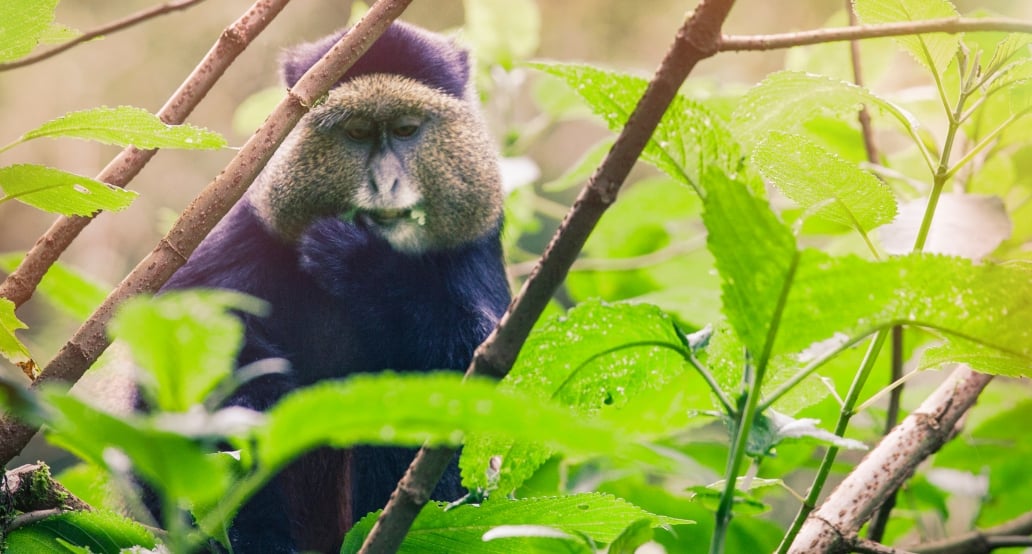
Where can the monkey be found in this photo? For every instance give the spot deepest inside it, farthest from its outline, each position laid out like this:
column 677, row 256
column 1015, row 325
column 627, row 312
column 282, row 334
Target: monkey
column 374, row 235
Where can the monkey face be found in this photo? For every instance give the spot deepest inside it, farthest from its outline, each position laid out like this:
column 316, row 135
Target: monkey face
column 412, row 164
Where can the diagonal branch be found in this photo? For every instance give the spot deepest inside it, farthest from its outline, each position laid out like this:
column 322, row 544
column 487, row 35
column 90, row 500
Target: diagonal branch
column 112, row 27
column 697, row 39
column 731, row 43
column 832, row 527
column 19, row 285
column 89, row 341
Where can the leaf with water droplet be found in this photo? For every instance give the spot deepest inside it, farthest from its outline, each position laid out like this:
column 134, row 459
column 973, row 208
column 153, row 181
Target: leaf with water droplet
column 60, row 192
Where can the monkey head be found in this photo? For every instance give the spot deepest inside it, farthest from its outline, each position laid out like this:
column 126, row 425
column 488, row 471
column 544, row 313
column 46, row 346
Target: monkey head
column 406, row 158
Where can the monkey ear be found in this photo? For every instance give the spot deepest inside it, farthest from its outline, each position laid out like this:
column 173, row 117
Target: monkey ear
column 403, row 49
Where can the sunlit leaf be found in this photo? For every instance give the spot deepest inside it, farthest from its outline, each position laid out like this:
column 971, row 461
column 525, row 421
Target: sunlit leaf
column 934, row 51
column 125, row 126
column 25, row 23
column 599, row 516
column 595, row 356
column 824, row 184
column 60, row 192
column 688, row 138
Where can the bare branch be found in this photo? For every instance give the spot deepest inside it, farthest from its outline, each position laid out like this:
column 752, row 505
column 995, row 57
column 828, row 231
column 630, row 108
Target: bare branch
column 112, row 27
column 697, row 39
column 731, row 43
column 891, row 463
column 19, row 285
column 89, row 341
column 1012, row 533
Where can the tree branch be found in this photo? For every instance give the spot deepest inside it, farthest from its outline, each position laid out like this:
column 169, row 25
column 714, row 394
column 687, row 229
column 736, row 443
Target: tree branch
column 19, row 285
column 89, row 341
column 31, row 488
column 885, row 468
column 732, row 43
column 697, row 39
column 1012, row 533
column 112, row 27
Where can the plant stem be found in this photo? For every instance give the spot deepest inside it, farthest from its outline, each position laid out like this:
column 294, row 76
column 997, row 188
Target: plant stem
column 840, row 429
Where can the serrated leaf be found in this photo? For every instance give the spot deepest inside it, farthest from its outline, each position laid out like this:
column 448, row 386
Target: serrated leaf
column 745, row 504
column 689, row 137
column 64, row 287
column 599, row 516
column 502, row 31
column 934, row 51
column 99, row 532
column 10, row 347
column 812, row 297
column 967, row 225
column 185, row 341
column 57, row 191
column 435, row 408
column 824, row 184
column 595, row 356
column 977, row 356
column 127, row 126
column 785, row 101
column 25, row 22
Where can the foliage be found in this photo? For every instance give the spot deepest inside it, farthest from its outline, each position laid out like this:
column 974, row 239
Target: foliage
column 717, row 319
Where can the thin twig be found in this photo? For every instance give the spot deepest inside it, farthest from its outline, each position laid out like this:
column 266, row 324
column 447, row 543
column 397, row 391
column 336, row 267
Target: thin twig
column 20, row 284
column 197, row 220
column 952, row 25
column 112, row 27
column 982, row 541
column 697, row 39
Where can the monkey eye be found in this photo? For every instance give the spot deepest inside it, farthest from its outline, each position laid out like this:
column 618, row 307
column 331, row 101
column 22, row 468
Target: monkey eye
column 358, row 130
column 405, row 131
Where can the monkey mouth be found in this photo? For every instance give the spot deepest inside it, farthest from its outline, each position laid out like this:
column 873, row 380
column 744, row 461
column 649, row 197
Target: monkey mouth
column 388, row 217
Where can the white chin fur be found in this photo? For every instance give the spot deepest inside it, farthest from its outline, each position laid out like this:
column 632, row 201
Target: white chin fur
column 405, row 236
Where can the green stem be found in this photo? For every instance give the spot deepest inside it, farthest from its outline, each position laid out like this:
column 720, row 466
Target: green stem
column 748, row 415
column 802, row 374
column 840, row 429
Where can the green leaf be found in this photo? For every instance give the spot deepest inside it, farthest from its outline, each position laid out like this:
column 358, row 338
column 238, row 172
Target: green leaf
column 58, row 33
column 99, row 532
column 772, row 428
column 125, row 126
column 10, row 347
column 25, row 23
column 813, row 297
column 934, row 51
column 89, row 483
column 596, row 356
column 172, row 463
column 785, row 101
column 978, row 356
column 689, row 137
column 502, row 31
column 186, row 341
column 824, row 184
column 60, row 192
column 68, row 290
column 435, row 408
column 634, row 536
column 601, row 517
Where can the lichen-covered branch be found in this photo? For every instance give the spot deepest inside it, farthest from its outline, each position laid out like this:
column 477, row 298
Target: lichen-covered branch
column 697, row 39
column 197, row 220
column 19, row 285
column 31, row 488
column 833, row 527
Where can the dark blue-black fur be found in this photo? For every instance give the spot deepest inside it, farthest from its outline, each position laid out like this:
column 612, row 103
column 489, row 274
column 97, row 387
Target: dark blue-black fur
column 343, row 301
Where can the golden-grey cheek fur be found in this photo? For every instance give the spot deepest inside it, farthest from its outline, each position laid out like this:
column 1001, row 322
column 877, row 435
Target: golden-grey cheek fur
column 317, row 171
